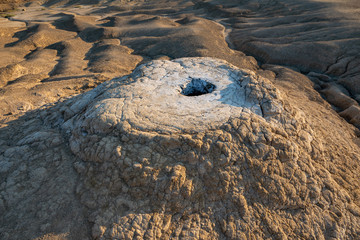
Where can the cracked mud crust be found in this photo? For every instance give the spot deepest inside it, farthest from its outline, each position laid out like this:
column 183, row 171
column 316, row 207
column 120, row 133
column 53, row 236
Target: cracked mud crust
column 124, row 161
column 141, row 177
column 151, row 98
column 80, row 170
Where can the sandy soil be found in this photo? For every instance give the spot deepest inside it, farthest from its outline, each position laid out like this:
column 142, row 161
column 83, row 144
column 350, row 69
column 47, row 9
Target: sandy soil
column 52, row 51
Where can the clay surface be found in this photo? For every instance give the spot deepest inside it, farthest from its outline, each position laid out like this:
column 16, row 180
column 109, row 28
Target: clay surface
column 146, row 119
column 120, row 175
column 158, row 97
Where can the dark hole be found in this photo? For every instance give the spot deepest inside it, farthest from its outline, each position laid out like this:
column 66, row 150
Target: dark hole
column 197, row 87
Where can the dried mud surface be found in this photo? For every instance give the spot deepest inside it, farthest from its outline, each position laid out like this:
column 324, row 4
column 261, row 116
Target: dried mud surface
column 68, row 172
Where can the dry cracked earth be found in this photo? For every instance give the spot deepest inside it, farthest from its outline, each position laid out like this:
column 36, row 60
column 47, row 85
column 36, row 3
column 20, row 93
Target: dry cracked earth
column 91, row 147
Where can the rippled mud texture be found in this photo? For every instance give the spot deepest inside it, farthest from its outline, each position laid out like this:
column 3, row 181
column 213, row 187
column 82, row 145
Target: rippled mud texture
column 70, row 169
column 99, row 169
column 215, row 177
column 321, row 39
column 74, row 49
column 318, row 38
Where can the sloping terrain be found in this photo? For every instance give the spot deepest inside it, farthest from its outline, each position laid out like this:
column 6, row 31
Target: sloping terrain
column 318, row 38
column 68, row 172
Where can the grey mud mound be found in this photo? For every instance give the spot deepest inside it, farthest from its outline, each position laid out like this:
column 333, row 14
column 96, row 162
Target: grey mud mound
column 235, row 160
column 186, row 95
column 189, row 148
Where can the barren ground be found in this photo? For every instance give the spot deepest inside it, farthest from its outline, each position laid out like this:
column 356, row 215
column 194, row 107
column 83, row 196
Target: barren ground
column 52, row 52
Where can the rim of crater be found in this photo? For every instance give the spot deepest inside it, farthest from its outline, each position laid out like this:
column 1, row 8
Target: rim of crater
column 155, row 102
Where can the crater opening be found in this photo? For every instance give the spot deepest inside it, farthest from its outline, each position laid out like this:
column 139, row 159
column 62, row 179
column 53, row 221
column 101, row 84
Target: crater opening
column 197, row 87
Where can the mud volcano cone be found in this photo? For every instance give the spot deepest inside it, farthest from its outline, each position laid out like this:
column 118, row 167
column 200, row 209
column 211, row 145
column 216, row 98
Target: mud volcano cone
column 196, row 148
